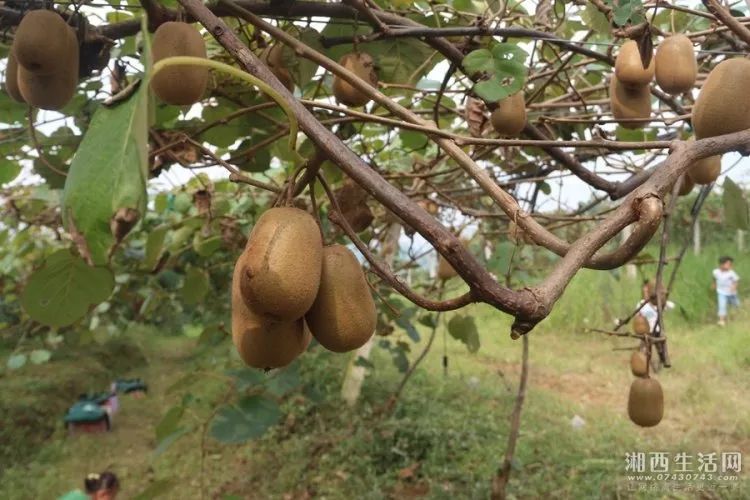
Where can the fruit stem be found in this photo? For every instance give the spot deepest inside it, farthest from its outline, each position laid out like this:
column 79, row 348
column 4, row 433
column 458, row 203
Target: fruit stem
column 242, row 75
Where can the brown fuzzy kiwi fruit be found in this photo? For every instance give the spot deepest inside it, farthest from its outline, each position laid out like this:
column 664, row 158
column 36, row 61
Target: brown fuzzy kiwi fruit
column 640, row 325
column 646, row 402
column 41, row 44
column 11, row 79
column 676, row 66
column 352, row 201
column 281, row 264
column 185, row 84
column 444, row 270
column 429, row 206
column 343, row 316
column 629, row 67
column 639, row 364
column 363, row 66
column 723, row 105
column 629, row 103
column 263, row 342
column 53, row 91
column 273, row 57
column 687, row 185
column 509, row 118
column 705, row 171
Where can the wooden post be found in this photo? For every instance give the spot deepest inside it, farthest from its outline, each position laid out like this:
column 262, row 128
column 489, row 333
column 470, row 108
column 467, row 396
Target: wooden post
column 631, row 271
column 697, row 238
column 740, row 241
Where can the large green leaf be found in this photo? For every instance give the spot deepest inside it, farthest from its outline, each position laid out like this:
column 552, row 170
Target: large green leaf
column 464, row 329
column 105, row 190
column 735, row 206
column 504, row 63
column 247, row 419
column 108, row 175
column 195, row 286
column 64, row 289
column 9, row 170
column 169, row 422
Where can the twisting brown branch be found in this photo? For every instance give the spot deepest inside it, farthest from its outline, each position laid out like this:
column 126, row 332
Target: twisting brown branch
column 726, row 18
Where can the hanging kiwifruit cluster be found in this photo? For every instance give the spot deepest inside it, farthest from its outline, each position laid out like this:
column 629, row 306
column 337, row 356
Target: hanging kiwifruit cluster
column 273, row 56
column 42, row 67
column 674, row 66
column 179, row 85
column 363, row 66
column 629, row 91
column 287, row 288
column 704, row 171
column 640, row 325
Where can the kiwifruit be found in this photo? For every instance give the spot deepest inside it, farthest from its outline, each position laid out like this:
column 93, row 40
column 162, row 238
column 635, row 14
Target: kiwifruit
column 273, row 57
column 429, row 205
column 705, row 171
column 645, row 402
column 352, row 201
column 639, row 364
column 629, row 103
column 261, row 341
column 52, row 91
column 183, row 84
column 42, row 45
column 723, row 105
column 281, row 264
column 629, row 67
column 343, row 316
column 640, row 325
column 509, row 118
column 11, row 78
column 444, row 270
column 686, row 186
column 362, row 65
column 676, row 66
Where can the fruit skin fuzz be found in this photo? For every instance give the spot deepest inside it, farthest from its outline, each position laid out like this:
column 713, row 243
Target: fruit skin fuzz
column 179, row 85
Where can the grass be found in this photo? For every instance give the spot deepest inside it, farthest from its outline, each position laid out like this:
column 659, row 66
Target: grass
column 447, row 434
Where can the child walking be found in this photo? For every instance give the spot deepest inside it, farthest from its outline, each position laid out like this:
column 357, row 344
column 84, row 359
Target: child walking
column 725, row 284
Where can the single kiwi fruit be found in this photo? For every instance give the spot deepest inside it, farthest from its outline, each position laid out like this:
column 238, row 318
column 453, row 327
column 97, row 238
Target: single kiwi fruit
column 183, row 84
column 629, row 67
column 676, row 66
column 429, row 206
column 343, row 316
column 723, row 105
column 640, row 325
column 646, row 402
column 705, row 171
column 352, row 201
column 41, row 44
column 52, row 91
column 444, row 270
column 11, row 79
column 261, row 341
column 273, row 56
column 362, row 65
column 629, row 103
column 639, row 364
column 281, row 264
column 687, row 185
column 509, row 118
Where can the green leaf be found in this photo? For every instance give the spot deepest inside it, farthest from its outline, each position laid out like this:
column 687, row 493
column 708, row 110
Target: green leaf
column 479, row 60
column 9, row 170
column 284, row 380
column 413, row 140
column 195, row 286
column 464, row 329
column 248, row 419
column 402, row 60
column 64, row 289
column 303, row 70
column 595, row 20
column 40, row 356
column 736, row 213
column 16, row 361
column 491, row 90
column 211, row 335
column 108, row 174
column 246, row 378
column 154, row 247
column 206, row 246
column 169, row 422
column 165, row 443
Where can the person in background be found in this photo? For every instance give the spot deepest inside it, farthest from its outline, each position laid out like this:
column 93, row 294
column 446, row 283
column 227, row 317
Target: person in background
column 725, row 284
column 102, row 486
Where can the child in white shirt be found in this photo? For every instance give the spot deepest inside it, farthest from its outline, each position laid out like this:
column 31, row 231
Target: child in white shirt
column 725, row 284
